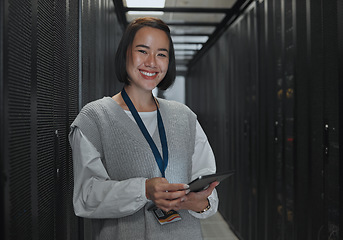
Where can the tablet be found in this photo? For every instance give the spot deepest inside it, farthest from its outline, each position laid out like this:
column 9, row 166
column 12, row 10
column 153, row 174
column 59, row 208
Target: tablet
column 202, row 182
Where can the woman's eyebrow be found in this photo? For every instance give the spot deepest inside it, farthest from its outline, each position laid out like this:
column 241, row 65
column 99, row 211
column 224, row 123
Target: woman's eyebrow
column 143, row 46
column 163, row 49
column 147, row 47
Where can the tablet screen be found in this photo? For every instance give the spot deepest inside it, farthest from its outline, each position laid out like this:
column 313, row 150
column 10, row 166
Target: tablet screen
column 202, row 182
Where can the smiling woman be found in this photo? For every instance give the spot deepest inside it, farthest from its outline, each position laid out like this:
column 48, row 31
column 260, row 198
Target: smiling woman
column 156, row 28
column 147, row 59
column 134, row 154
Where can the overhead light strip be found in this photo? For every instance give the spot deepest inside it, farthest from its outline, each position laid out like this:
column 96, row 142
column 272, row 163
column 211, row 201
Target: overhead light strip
column 145, row 13
column 137, row 5
column 145, row 3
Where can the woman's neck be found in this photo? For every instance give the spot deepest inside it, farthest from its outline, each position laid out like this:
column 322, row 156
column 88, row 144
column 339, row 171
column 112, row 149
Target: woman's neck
column 142, row 100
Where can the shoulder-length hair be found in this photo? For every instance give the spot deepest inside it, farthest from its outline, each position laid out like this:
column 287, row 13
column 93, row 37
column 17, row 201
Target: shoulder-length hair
column 126, row 41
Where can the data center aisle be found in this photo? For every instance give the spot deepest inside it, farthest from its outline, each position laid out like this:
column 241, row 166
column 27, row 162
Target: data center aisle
column 216, row 228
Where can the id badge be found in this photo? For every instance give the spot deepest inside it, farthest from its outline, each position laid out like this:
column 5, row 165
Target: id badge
column 166, row 217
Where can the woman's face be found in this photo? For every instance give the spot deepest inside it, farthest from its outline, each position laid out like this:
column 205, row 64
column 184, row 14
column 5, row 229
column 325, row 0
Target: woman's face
column 147, row 58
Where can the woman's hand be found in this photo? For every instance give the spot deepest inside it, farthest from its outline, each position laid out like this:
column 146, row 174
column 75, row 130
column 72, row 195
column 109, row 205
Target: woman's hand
column 165, row 195
column 197, row 201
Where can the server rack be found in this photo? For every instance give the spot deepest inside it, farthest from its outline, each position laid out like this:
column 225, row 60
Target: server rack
column 267, row 96
column 43, row 85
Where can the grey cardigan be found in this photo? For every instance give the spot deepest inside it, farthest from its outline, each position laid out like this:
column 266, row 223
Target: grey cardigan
column 126, row 154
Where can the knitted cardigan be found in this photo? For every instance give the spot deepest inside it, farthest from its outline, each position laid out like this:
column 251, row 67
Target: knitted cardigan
column 126, row 154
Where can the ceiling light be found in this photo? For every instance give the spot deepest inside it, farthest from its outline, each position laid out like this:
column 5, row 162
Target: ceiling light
column 190, row 39
column 184, row 52
column 144, row 13
column 187, row 46
column 145, row 3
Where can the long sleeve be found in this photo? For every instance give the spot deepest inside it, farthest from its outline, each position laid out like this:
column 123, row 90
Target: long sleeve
column 203, row 163
column 95, row 195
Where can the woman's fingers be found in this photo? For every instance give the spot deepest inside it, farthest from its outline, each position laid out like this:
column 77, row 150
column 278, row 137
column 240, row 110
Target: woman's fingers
column 197, row 201
column 167, row 205
column 165, row 195
column 207, row 192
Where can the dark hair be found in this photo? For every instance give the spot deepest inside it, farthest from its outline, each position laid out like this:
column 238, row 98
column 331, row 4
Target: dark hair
column 126, row 41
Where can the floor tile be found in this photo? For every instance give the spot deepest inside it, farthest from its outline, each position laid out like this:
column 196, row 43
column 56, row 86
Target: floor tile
column 216, row 228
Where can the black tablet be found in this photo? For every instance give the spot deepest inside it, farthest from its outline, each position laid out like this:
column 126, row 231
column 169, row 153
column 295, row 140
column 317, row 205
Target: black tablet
column 202, row 182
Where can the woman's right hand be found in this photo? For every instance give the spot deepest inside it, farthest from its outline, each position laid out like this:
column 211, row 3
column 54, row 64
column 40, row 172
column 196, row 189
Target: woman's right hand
column 165, row 195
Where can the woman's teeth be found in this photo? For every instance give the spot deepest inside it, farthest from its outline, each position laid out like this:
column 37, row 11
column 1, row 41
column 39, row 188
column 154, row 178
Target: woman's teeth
column 148, row 74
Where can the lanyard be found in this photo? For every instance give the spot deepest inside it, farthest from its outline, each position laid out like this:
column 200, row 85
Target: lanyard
column 161, row 162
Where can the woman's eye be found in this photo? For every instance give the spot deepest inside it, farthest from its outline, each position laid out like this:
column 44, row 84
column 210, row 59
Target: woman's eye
column 142, row 51
column 162, row 55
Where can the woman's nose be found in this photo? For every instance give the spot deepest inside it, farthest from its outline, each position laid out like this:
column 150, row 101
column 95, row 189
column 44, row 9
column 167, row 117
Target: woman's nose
column 150, row 61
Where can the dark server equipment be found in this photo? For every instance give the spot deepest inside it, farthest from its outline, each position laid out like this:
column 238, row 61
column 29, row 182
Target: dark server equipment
column 39, row 97
column 100, row 36
column 267, row 94
column 48, row 72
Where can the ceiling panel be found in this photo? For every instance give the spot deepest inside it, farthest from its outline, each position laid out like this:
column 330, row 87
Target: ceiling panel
column 184, row 46
column 179, row 17
column 191, row 30
column 189, row 39
column 194, row 24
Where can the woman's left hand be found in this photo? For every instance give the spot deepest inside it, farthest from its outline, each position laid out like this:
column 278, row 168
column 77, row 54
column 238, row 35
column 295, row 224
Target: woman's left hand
column 197, row 201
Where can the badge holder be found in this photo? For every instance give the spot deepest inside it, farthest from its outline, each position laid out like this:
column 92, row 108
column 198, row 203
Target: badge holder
column 166, row 217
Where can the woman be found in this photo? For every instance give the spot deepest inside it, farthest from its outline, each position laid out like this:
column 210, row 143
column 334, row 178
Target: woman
column 134, row 154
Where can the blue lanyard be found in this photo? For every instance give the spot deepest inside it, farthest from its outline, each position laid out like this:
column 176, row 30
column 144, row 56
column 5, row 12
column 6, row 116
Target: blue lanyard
column 161, row 162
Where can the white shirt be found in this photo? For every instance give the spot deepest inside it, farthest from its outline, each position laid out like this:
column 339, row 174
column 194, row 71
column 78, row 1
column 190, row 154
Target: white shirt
column 97, row 196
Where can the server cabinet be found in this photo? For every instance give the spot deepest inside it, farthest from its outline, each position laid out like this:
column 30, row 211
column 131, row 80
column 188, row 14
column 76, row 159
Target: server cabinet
column 39, row 97
column 55, row 57
column 267, row 96
column 101, row 34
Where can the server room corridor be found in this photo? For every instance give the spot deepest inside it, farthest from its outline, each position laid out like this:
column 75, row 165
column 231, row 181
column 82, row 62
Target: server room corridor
column 264, row 78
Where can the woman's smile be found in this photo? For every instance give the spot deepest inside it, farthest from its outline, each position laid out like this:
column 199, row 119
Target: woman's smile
column 148, row 75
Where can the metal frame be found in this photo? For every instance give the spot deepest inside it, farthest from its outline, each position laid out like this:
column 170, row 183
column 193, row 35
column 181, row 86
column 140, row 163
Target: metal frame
column 340, row 63
column 4, row 217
